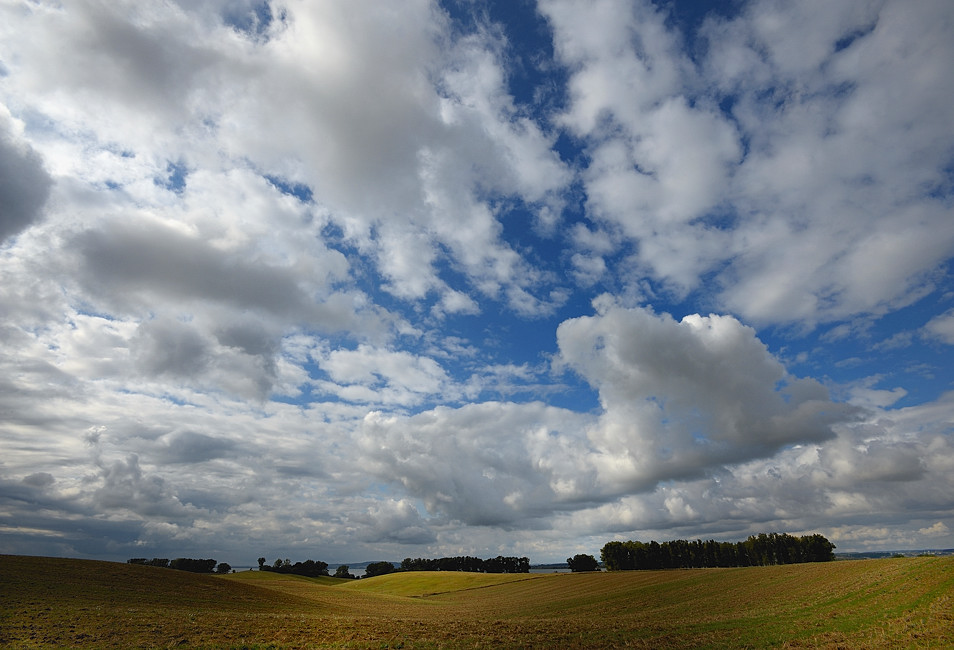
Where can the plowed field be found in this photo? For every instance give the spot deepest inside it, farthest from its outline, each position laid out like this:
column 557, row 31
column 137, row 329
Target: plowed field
column 51, row 602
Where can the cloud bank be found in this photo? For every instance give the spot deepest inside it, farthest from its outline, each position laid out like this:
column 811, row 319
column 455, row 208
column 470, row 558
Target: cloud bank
column 361, row 282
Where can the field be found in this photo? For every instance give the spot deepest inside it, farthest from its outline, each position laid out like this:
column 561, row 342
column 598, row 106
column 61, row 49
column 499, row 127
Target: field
column 891, row 603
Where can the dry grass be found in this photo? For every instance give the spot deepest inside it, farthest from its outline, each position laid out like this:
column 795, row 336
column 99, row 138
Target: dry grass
column 893, row 603
column 432, row 583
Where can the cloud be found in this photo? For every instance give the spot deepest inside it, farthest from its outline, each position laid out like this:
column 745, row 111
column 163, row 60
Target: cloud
column 384, row 132
column 154, row 259
column 888, row 239
column 24, row 182
column 874, row 460
column 863, row 394
column 588, row 270
column 191, row 447
column 123, row 486
column 863, row 477
column 761, row 170
column 394, row 521
column 938, row 529
column 483, row 464
column 158, row 63
column 941, row 328
column 316, row 279
column 658, row 162
column 681, row 397
column 39, row 480
column 170, row 347
column 870, row 487
column 381, row 376
column 399, row 127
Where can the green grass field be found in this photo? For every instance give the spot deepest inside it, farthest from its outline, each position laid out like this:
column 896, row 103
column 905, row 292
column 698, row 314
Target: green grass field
column 891, row 603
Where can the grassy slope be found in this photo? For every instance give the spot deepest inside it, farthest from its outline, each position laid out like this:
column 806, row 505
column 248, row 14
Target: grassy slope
column 47, row 602
column 870, row 603
column 430, row 583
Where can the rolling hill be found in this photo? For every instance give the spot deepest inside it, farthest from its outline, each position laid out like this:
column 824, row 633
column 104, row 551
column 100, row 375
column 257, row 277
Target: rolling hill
column 55, row 602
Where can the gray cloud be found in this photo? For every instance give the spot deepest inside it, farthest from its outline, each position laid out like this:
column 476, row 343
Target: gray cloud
column 39, row 480
column 798, row 203
column 282, row 354
column 170, row 347
column 153, row 259
column 250, row 336
column 190, row 447
column 483, row 464
column 128, row 54
column 124, row 486
column 681, row 397
column 396, row 522
column 24, row 182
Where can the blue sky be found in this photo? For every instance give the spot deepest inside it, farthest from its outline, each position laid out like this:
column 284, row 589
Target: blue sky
column 354, row 281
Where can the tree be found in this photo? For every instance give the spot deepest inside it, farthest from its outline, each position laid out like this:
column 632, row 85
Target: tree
column 378, row 569
column 419, row 564
column 501, row 564
column 156, row 561
column 193, row 565
column 261, row 563
column 309, row 568
column 758, row 550
column 817, row 548
column 581, row 562
column 342, row 572
column 613, row 555
column 224, row 567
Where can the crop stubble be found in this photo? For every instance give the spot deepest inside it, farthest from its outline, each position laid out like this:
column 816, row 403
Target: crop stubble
column 47, row 602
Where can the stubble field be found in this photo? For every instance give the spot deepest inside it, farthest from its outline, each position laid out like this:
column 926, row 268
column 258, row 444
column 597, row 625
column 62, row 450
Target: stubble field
column 52, row 602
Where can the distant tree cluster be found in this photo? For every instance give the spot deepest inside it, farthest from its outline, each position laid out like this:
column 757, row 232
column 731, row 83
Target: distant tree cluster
column 308, row 568
column 757, row 550
column 581, row 562
column 499, row 564
column 183, row 564
column 156, row 561
column 343, row 572
column 378, row 569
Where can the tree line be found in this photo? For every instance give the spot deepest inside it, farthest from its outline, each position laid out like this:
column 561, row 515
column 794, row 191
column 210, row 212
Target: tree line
column 308, row 568
column 758, row 550
column 582, row 562
column 499, row 564
column 315, row 568
column 184, row 564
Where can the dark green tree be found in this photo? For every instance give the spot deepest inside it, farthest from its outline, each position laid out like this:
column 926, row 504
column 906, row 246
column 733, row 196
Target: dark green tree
column 309, row 568
column 758, row 550
column 378, row 569
column 582, row 562
column 615, row 556
column 817, row 548
column 342, row 572
column 502, row 564
column 193, row 565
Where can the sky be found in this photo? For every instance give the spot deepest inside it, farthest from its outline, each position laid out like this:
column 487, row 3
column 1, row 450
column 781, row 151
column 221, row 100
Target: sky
column 354, row 281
